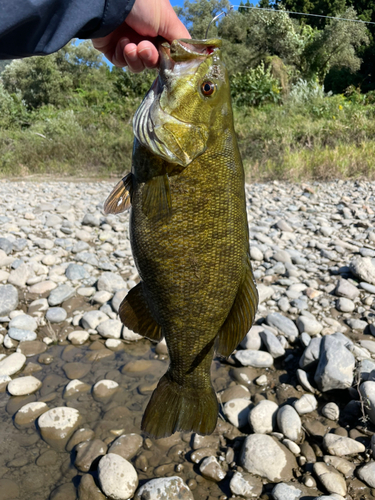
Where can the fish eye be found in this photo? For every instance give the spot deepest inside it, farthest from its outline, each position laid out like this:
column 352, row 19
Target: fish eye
column 208, row 88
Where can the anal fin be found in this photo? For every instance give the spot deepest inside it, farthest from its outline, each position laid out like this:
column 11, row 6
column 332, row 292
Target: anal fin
column 241, row 316
column 136, row 315
column 157, row 202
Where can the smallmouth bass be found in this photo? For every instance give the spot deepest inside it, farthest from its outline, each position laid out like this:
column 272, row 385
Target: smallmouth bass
column 188, row 231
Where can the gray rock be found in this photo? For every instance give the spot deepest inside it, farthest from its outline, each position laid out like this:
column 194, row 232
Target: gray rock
column 284, row 491
column 363, row 269
column 306, row 404
column 76, row 272
column 366, row 286
column 331, row 480
column 87, row 452
column 282, row 256
column 110, row 328
column 6, row 245
column 283, row 324
column 336, row 366
column 356, row 324
column 92, row 319
column 24, row 322
column 264, row 292
column 340, row 445
column 80, row 246
column 56, row 314
column 331, row 411
column 345, row 289
column 118, row 298
column 87, row 489
column 366, row 369
column 91, row 220
column 87, row 258
column 127, row 445
column 367, row 390
column 272, row 344
column 309, row 325
column 12, row 364
column 262, row 417
column 289, row 423
column 253, row 340
column 111, row 282
column 19, row 276
column 345, row 305
column 267, row 457
column 57, row 425
column 257, row 359
column 367, row 474
column 117, row 477
column 245, row 485
column 8, row 299
column 310, row 355
column 211, row 469
column 237, row 411
column 21, row 335
column 60, row 294
column 164, row 488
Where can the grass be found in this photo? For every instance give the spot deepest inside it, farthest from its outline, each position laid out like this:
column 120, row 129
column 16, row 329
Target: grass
column 326, row 139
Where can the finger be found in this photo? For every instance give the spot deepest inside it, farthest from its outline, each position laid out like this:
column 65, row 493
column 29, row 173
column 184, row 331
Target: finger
column 132, row 59
column 171, row 28
column 148, row 54
column 118, row 57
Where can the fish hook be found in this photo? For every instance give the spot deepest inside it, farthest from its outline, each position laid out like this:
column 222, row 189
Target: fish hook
column 217, row 17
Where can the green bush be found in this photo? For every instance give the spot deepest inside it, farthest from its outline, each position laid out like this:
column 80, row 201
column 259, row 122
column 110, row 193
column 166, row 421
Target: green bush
column 255, row 87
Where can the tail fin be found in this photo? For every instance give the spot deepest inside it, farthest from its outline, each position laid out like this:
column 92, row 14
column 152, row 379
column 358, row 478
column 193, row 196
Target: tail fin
column 175, row 408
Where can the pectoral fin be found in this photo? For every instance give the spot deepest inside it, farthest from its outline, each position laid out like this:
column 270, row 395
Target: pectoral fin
column 136, row 315
column 157, row 202
column 120, row 198
column 241, row 316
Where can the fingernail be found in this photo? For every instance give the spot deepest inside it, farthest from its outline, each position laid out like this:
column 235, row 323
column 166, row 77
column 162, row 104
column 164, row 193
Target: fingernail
column 123, row 43
column 146, row 53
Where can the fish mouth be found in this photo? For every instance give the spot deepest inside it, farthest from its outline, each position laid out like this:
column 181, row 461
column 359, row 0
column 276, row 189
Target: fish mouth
column 185, row 50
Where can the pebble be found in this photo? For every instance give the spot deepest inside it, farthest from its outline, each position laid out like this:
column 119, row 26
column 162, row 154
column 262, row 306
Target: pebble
column 43, row 287
column 104, row 389
column 212, row 470
column 266, row 457
column 56, row 314
column 331, row 411
column 363, row 269
column 367, row 390
column 87, row 452
column 345, row 305
column 74, row 387
column 237, row 411
column 130, row 335
column 306, row 404
column 87, row 489
column 78, row 337
column 12, row 364
column 111, row 282
column 257, row 359
column 24, row 385
column 164, row 488
column 332, row 481
column 289, row 423
column 284, row 325
column 346, row 289
column 118, row 298
column 245, row 485
column 91, row 319
column 76, row 272
column 262, row 417
column 21, row 335
column 60, row 295
column 29, row 412
column 367, row 474
column 272, row 343
column 118, row 478
column 341, row 445
column 283, row 491
column 23, row 322
column 57, row 425
column 80, row 436
column 309, row 325
column 110, row 328
column 127, row 445
column 8, row 299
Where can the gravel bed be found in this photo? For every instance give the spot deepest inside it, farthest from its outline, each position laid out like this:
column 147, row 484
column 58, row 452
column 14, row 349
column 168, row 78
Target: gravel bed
column 297, row 417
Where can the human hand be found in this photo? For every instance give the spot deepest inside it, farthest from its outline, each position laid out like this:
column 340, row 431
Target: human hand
column 134, row 43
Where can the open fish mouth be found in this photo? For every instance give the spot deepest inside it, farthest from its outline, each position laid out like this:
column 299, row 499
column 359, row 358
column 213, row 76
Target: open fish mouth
column 185, row 50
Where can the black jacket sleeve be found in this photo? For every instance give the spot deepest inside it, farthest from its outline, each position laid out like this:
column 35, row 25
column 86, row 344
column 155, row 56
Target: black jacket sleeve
column 39, row 27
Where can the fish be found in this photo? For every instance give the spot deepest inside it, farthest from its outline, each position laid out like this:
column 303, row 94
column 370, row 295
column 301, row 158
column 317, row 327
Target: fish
column 188, row 231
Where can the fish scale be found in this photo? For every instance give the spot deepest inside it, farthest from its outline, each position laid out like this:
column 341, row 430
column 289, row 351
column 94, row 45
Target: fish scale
column 189, row 235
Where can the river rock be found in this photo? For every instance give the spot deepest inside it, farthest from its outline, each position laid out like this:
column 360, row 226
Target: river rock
column 309, row 325
column 363, row 269
column 257, row 359
column 367, row 474
column 111, row 328
column 24, row 385
column 111, row 282
column 289, row 423
column 336, row 365
column 57, row 425
column 283, row 491
column 345, row 289
column 60, row 295
column 12, row 364
column 21, row 335
column 80, row 436
column 91, row 319
column 262, row 417
column 253, row 340
column 87, row 452
column 341, row 445
column 87, row 489
column 266, row 457
column 104, row 389
column 164, row 488
column 306, row 404
column 212, row 470
column 8, row 299
column 237, row 411
column 367, row 389
column 23, row 322
column 118, row 478
column 56, row 314
column 76, row 272
column 245, row 485
column 29, row 413
column 284, row 325
column 127, row 445
column 331, row 480
column 272, row 343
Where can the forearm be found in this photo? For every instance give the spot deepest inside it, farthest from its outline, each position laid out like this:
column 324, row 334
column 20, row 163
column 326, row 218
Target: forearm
column 39, row 27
